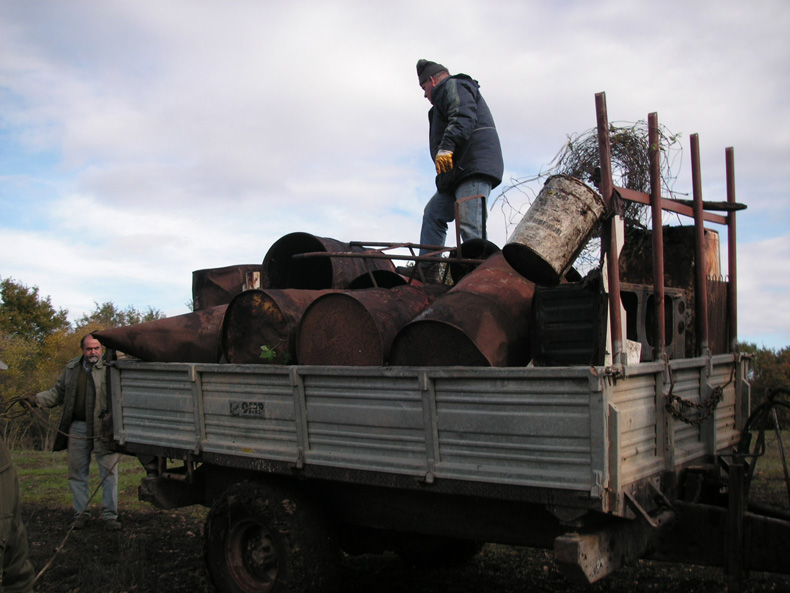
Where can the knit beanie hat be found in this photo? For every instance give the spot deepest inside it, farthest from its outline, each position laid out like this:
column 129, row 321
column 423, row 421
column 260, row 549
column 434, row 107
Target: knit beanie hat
column 426, row 69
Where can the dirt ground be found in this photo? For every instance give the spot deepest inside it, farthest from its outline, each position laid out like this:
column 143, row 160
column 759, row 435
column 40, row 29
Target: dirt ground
column 162, row 551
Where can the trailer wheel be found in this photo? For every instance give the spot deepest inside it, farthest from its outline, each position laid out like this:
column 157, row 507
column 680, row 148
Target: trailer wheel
column 263, row 538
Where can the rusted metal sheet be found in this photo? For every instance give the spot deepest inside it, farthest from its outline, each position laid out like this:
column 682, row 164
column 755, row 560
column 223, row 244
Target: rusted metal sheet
column 483, row 321
column 192, row 337
column 217, row 286
column 281, row 270
column 265, row 322
column 356, row 328
column 554, row 230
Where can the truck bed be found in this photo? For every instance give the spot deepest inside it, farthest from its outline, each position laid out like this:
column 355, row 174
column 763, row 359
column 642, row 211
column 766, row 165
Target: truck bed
column 579, row 436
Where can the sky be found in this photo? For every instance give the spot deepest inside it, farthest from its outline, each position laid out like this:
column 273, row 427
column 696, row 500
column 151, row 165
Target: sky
column 142, row 140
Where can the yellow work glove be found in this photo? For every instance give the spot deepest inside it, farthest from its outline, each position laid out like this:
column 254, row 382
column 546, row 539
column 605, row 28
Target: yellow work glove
column 444, row 161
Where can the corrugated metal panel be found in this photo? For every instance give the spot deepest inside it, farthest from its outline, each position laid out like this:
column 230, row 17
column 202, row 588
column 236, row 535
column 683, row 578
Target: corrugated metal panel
column 249, row 414
column 365, row 422
column 523, row 430
column 689, row 446
column 158, row 407
column 635, row 399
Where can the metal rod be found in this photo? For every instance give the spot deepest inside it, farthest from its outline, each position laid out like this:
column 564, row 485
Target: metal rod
column 700, row 288
column 732, row 260
column 658, row 234
column 608, row 241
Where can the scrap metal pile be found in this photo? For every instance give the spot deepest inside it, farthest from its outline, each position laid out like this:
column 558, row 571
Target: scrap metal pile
column 318, row 301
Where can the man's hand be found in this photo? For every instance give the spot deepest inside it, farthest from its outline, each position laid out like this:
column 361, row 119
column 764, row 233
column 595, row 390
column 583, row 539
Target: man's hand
column 444, row 161
column 30, row 400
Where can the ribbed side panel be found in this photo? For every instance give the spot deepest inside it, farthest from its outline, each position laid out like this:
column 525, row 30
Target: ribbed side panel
column 158, row 407
column 635, row 400
column 531, row 432
column 726, row 434
column 365, row 422
column 249, row 414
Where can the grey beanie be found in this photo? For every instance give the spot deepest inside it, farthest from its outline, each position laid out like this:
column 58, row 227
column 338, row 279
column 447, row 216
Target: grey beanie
column 426, row 69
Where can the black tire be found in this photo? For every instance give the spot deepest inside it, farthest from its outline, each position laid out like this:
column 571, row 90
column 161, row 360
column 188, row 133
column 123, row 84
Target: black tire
column 429, row 551
column 269, row 538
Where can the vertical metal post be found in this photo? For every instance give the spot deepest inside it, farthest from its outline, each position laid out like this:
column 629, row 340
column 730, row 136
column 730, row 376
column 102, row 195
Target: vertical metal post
column 735, row 526
column 700, row 286
column 609, row 238
column 658, row 233
column 732, row 261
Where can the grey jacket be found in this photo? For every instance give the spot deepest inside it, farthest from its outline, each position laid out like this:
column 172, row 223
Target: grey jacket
column 65, row 393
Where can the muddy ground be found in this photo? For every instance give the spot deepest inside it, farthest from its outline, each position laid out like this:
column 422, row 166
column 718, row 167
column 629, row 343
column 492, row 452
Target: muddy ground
column 162, row 551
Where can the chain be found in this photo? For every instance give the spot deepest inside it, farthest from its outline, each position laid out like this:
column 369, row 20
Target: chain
column 682, row 409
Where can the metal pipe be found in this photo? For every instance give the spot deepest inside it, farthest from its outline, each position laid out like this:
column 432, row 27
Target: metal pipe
column 732, row 260
column 700, row 286
column 658, row 234
column 192, row 337
column 609, row 238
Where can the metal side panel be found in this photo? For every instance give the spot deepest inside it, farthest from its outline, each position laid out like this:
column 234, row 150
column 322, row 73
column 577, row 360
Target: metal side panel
column 635, row 402
column 250, row 414
column 365, row 420
column 689, row 444
column 528, row 430
column 724, row 373
column 157, row 406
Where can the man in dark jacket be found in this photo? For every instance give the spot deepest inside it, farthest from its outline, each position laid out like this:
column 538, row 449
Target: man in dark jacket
column 81, row 390
column 465, row 148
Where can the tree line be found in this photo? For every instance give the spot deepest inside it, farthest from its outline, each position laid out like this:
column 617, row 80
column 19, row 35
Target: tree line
column 36, row 342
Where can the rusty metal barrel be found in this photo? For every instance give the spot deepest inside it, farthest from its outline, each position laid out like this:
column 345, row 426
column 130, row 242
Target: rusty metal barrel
column 356, row 328
column 191, row 337
column 281, row 270
column 378, row 279
column 265, row 322
column 483, row 321
column 554, row 230
column 217, row 286
column 472, row 249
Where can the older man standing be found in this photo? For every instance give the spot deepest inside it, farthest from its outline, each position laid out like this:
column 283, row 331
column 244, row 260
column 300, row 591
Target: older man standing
column 81, row 390
column 465, row 148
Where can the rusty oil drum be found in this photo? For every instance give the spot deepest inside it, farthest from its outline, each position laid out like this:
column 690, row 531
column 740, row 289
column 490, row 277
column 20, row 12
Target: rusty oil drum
column 554, row 230
column 356, row 327
column 483, row 321
column 217, row 286
column 281, row 270
column 265, row 322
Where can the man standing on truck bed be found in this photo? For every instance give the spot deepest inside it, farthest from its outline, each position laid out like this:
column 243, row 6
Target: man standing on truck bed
column 81, row 390
column 465, row 149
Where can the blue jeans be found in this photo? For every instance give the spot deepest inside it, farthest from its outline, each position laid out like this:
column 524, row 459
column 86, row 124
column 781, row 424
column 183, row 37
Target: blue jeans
column 440, row 210
column 79, row 474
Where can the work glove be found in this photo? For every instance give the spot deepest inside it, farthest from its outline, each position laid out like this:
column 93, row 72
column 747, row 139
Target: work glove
column 444, row 161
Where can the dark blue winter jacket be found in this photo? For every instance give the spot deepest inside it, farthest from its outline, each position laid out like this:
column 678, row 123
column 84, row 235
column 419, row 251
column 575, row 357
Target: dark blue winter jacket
column 461, row 122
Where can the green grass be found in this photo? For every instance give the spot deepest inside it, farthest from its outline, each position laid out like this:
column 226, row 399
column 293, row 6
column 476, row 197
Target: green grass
column 42, row 478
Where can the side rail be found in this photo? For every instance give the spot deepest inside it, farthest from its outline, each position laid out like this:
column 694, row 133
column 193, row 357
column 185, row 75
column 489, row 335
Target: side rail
column 534, row 428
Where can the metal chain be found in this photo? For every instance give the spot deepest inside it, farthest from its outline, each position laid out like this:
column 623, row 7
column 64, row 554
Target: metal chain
column 682, row 409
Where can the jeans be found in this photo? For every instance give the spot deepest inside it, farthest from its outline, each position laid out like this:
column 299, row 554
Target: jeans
column 79, row 452
column 441, row 209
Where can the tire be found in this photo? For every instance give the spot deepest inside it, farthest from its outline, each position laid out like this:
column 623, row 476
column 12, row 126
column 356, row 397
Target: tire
column 269, row 538
column 429, row 551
